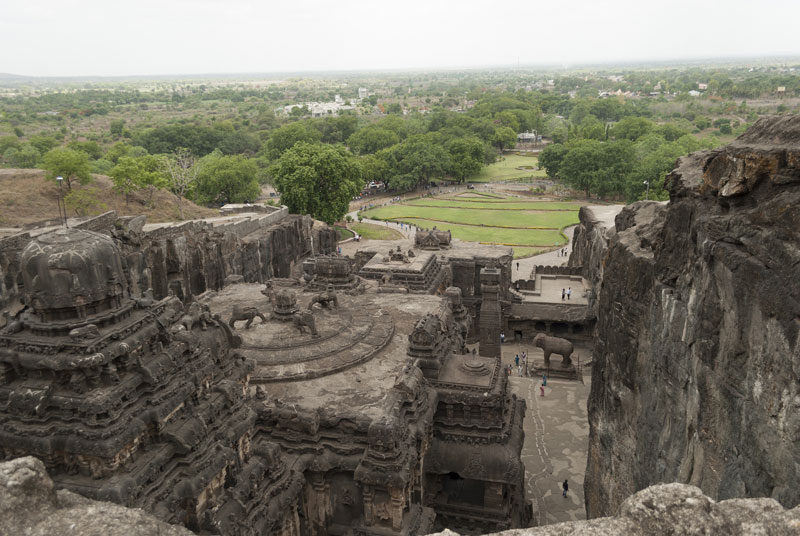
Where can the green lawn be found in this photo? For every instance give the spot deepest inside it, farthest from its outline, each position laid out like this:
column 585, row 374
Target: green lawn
column 495, row 235
column 510, row 204
column 343, row 233
column 499, row 218
column 507, row 169
column 370, row 231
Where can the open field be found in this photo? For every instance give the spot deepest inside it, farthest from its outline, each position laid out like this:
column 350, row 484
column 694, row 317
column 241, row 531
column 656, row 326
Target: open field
column 496, row 235
column 512, row 219
column 534, row 226
column 504, row 204
column 508, row 168
column 370, row 231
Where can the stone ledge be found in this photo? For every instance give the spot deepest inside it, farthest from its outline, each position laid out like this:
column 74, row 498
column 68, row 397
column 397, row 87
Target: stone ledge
column 677, row 509
column 30, row 505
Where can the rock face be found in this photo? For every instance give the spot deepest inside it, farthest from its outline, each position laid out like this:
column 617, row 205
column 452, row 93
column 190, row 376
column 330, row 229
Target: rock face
column 678, row 509
column 697, row 357
column 191, row 257
column 30, row 505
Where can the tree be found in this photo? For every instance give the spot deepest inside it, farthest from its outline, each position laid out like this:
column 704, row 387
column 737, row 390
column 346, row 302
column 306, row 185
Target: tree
column 631, row 128
column 137, row 173
column 591, row 165
column 318, row 179
column 239, row 142
column 466, row 157
column 394, row 108
column 226, row 179
column 85, row 202
column 181, row 171
column 504, row 137
column 415, row 162
column 72, row 165
column 551, row 157
column 371, row 139
column 285, row 137
column 116, row 127
column 26, row 156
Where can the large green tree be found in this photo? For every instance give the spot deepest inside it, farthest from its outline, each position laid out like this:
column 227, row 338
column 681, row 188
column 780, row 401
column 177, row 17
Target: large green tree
column 415, row 162
column 317, row 179
column 466, row 157
column 284, row 138
column 504, row 138
column 71, row 165
column 226, row 179
column 371, row 139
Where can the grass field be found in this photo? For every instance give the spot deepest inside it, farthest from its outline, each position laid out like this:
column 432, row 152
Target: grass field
column 507, row 168
column 370, row 231
column 496, row 235
column 531, row 226
column 508, row 204
column 516, row 219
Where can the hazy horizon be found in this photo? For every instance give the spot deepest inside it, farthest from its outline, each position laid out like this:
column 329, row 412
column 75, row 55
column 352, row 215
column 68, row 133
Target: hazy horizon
column 186, row 38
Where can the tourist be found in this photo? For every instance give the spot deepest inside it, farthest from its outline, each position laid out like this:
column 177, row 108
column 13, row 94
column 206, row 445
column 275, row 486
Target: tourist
column 565, row 487
column 569, row 292
column 502, row 337
column 519, row 371
column 544, row 380
column 517, row 266
column 541, row 390
column 340, row 250
column 563, row 293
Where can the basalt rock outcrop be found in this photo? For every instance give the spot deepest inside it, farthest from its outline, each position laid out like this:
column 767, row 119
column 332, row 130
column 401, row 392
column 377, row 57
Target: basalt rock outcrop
column 677, row 509
column 188, row 258
column 30, row 505
column 696, row 374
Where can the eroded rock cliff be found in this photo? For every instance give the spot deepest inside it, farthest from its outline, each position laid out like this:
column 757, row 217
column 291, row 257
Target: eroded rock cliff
column 677, row 509
column 696, row 374
column 30, row 505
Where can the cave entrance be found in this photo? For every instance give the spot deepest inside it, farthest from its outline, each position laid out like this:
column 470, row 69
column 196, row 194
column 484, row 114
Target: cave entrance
column 462, row 490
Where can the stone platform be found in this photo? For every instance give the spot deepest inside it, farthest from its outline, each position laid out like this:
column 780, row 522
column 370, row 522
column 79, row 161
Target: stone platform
column 346, row 336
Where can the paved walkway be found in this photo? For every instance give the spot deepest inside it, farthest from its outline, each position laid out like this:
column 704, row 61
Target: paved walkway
column 556, row 438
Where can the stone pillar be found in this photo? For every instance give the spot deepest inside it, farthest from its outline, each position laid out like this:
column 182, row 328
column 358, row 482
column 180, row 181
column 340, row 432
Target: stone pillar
column 491, row 319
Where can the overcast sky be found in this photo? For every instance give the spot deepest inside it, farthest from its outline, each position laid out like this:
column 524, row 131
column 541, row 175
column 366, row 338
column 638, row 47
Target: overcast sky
column 141, row 37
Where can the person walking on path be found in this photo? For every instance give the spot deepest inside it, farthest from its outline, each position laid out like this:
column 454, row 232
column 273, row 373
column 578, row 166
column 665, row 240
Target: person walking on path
column 565, row 487
column 569, row 292
column 516, row 360
column 517, row 266
column 541, row 390
column 544, row 380
column 563, row 293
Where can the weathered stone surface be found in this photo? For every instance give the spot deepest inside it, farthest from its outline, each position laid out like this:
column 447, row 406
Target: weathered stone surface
column 677, row 509
column 696, row 375
column 30, row 505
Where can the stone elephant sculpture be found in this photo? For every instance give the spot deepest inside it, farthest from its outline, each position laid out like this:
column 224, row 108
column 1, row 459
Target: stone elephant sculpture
column 243, row 312
column 303, row 320
column 554, row 345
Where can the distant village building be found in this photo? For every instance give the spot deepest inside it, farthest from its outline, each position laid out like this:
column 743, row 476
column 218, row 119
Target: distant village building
column 694, row 93
column 701, row 86
column 363, row 93
column 529, row 137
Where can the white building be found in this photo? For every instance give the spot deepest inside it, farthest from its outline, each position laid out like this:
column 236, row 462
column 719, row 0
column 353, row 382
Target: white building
column 363, row 93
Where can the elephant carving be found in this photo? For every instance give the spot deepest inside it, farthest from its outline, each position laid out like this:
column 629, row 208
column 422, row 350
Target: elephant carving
column 554, row 345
